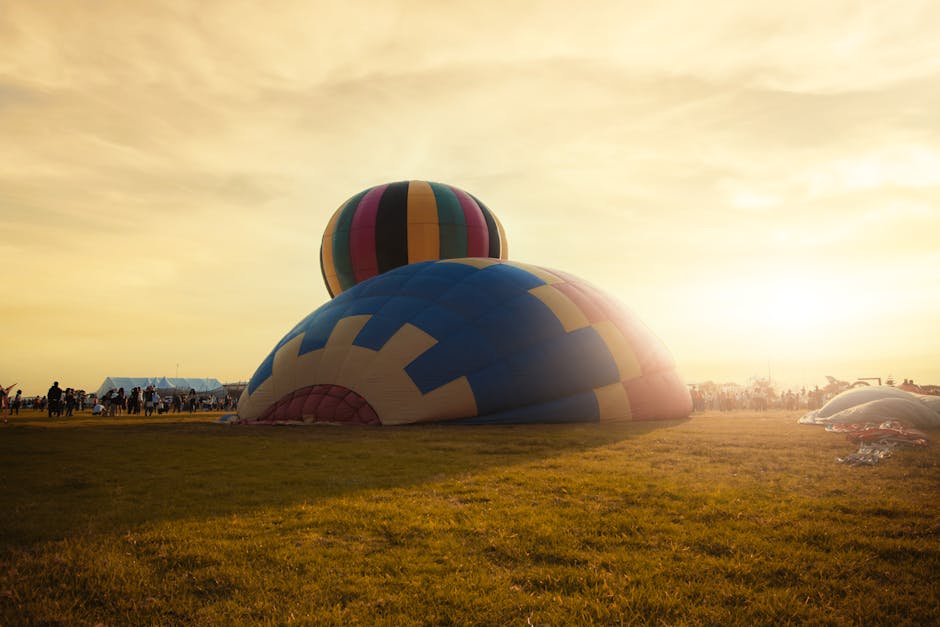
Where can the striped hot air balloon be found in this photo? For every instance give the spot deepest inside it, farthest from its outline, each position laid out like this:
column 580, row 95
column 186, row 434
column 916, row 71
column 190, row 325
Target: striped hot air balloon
column 392, row 225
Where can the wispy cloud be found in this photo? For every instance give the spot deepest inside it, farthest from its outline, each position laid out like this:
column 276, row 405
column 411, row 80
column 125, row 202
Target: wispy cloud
column 188, row 156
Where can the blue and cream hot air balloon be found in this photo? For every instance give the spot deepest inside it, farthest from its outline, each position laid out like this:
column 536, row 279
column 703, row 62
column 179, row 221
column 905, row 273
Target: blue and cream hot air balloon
column 470, row 340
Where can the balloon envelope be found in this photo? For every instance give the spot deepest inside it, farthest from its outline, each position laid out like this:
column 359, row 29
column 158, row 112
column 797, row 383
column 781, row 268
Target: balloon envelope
column 391, row 225
column 471, row 341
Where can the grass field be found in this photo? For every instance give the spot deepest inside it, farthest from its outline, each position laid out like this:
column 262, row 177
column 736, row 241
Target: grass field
column 737, row 518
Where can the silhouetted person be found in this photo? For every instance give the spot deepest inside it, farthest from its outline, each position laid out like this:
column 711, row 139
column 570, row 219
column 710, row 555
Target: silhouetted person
column 54, row 398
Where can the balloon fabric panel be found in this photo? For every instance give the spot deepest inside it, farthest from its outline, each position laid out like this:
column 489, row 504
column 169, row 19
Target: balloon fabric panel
column 330, row 403
column 328, row 249
column 558, row 368
column 386, row 323
column 362, row 235
column 453, row 223
column 503, row 242
column 478, row 238
column 391, row 228
column 424, row 237
column 654, row 397
column 581, row 407
column 492, row 232
column 265, row 369
column 342, row 255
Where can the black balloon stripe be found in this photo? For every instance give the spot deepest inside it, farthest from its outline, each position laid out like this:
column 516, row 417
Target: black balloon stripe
column 391, row 227
column 491, row 228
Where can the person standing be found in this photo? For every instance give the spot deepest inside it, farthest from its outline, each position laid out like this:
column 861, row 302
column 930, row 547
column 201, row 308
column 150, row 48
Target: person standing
column 17, row 402
column 148, row 401
column 109, row 402
column 134, row 403
column 69, row 402
column 53, row 400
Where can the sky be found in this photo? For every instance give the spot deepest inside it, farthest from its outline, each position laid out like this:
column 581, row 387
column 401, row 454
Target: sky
column 759, row 182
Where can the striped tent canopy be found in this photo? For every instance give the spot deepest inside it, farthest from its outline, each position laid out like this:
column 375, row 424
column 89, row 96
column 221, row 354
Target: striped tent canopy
column 467, row 341
column 391, row 225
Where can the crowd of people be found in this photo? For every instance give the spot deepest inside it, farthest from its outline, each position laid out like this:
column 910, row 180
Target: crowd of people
column 757, row 395
column 761, row 394
column 59, row 402
column 730, row 397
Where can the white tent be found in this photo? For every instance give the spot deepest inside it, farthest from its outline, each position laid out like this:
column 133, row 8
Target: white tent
column 179, row 384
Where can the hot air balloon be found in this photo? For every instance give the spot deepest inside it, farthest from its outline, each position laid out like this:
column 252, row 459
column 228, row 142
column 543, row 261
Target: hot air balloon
column 395, row 224
column 470, row 340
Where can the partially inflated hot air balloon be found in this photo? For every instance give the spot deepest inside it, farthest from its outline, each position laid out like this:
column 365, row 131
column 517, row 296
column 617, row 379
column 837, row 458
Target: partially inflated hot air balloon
column 467, row 341
column 395, row 224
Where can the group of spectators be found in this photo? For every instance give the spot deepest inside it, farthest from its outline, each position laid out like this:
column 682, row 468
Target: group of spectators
column 60, row 402
column 147, row 400
column 57, row 402
column 759, row 396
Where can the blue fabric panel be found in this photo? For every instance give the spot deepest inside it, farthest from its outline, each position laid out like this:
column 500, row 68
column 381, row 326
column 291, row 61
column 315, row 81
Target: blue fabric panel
column 484, row 290
column 438, row 322
column 494, row 387
column 387, row 321
column 377, row 332
column 453, row 272
column 470, row 300
column 426, row 285
column 518, row 323
column 455, row 356
column 562, row 366
column 378, row 285
column 341, row 298
column 577, row 408
column 391, row 282
column 368, row 305
column 403, row 308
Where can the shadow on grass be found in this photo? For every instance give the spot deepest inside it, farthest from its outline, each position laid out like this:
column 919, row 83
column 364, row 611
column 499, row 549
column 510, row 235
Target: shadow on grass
column 91, row 478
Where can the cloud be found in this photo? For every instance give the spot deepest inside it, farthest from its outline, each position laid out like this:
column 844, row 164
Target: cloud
column 190, row 156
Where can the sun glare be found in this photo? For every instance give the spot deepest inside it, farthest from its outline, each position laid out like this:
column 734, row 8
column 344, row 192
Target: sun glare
column 778, row 316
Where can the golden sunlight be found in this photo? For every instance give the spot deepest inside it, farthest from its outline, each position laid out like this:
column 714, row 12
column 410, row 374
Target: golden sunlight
column 776, row 315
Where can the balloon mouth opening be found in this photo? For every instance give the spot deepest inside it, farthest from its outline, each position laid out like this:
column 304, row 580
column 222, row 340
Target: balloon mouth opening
column 323, row 403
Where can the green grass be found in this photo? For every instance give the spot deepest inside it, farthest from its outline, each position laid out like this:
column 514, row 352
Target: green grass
column 724, row 519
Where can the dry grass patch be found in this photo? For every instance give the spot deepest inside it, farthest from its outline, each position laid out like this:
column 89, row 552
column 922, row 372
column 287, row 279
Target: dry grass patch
column 723, row 519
